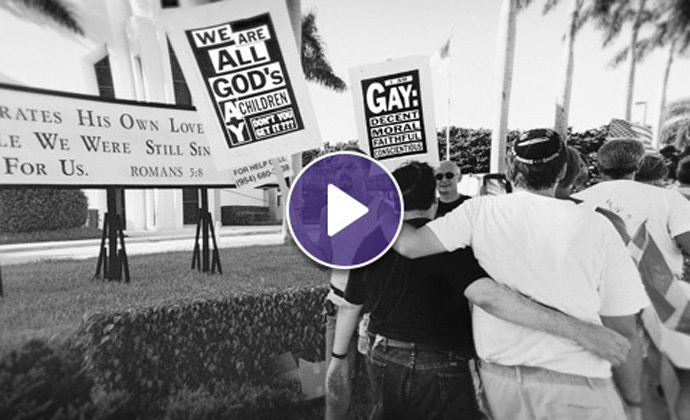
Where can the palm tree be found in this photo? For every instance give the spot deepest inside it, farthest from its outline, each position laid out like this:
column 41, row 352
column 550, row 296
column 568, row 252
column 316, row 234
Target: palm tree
column 672, row 32
column 579, row 12
column 58, row 11
column 676, row 124
column 505, row 56
column 565, row 83
column 611, row 16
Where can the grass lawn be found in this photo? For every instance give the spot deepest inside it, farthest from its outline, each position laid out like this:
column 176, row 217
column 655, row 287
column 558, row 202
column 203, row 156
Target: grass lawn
column 50, row 299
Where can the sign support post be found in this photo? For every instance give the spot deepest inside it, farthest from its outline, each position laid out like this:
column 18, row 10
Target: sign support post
column 112, row 261
column 201, row 257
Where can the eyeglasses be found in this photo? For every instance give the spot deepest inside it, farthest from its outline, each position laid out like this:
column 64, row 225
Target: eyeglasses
column 448, row 175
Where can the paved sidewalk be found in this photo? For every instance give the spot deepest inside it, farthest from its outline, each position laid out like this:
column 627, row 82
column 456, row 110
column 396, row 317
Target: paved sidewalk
column 140, row 242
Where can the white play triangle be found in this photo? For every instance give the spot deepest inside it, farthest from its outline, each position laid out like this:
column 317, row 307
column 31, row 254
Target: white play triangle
column 343, row 210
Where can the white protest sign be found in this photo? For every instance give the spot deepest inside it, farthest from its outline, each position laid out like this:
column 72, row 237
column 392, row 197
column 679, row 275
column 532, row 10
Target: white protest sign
column 242, row 67
column 394, row 110
column 50, row 138
column 260, row 173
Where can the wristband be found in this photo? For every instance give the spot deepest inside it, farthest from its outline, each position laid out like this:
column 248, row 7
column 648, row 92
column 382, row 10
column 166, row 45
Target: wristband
column 338, row 356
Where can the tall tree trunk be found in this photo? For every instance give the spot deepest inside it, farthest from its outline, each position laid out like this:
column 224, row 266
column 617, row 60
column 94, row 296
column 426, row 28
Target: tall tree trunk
column 565, row 83
column 505, row 55
column 664, row 88
column 633, row 60
column 295, row 12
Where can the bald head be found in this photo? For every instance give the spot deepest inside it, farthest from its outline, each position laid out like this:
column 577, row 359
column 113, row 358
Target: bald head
column 447, row 177
column 448, row 166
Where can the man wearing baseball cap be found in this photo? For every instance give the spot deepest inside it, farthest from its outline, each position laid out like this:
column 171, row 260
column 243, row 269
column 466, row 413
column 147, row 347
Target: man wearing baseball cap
column 560, row 255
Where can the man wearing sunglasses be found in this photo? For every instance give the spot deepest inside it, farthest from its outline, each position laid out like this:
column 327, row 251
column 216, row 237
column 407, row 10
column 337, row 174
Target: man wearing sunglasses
column 447, row 177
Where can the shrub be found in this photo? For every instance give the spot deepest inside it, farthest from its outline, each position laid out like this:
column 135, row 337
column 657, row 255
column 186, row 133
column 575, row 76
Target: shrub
column 39, row 381
column 275, row 399
column 243, row 215
column 29, row 210
column 160, row 350
column 471, row 148
column 250, row 217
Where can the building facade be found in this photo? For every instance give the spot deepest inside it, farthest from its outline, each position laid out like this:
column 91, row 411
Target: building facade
column 124, row 55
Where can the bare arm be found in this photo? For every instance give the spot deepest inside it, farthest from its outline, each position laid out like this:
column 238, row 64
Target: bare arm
column 628, row 376
column 415, row 243
column 345, row 326
column 683, row 241
column 337, row 376
column 505, row 303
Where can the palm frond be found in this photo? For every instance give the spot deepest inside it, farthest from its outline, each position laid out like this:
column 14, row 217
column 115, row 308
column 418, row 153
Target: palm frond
column 620, row 57
column 678, row 108
column 57, row 11
column 314, row 62
column 326, row 78
column 521, row 5
column 549, row 5
column 584, row 17
column 676, row 123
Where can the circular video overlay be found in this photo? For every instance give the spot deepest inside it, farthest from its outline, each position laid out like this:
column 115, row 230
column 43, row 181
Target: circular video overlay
column 345, row 210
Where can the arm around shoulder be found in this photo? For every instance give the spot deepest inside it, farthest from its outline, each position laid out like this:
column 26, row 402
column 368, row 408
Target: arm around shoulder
column 507, row 304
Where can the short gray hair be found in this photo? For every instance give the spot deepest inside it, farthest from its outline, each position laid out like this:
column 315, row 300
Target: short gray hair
column 618, row 158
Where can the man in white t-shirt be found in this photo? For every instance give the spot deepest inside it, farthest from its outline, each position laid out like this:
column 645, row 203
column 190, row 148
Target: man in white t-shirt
column 562, row 256
column 666, row 214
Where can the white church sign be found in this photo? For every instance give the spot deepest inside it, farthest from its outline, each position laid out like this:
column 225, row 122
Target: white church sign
column 50, row 138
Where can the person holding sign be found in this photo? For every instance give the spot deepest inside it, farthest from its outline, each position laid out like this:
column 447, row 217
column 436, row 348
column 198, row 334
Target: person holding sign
column 558, row 254
column 352, row 180
column 421, row 321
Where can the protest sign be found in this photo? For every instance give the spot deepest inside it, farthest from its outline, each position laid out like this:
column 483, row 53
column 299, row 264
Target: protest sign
column 394, row 111
column 50, row 138
column 242, row 67
column 260, row 173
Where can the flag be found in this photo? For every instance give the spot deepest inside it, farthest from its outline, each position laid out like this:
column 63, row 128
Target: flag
column 445, row 50
column 621, row 129
column 668, row 298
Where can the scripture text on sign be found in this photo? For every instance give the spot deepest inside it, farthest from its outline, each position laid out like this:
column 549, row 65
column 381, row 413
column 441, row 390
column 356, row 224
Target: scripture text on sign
column 53, row 138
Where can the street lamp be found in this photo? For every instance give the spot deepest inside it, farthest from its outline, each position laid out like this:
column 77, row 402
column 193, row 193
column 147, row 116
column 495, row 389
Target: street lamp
column 644, row 116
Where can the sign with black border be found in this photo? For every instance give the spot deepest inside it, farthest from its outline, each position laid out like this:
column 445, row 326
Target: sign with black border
column 241, row 64
column 394, row 111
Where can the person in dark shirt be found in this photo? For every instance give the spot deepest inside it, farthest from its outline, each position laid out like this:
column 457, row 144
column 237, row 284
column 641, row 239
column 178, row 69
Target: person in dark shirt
column 420, row 321
column 447, row 177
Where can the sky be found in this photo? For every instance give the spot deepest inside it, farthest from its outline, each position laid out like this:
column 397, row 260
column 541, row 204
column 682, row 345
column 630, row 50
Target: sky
column 360, row 32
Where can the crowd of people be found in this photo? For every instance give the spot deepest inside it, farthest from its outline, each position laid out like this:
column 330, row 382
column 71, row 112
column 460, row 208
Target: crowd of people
column 538, row 304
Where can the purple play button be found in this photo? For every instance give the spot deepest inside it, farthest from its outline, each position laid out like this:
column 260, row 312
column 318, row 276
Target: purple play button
column 345, row 210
